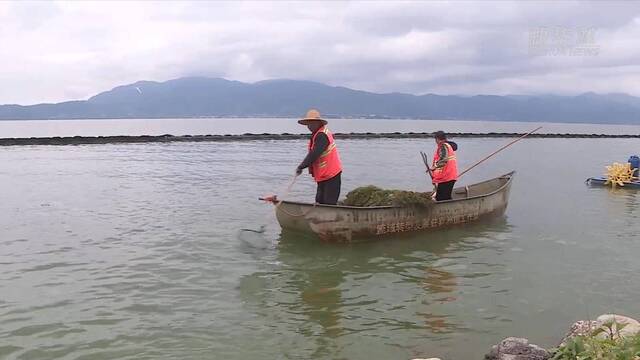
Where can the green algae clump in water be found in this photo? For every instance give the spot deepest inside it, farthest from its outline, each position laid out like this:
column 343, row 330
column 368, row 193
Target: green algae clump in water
column 374, row 196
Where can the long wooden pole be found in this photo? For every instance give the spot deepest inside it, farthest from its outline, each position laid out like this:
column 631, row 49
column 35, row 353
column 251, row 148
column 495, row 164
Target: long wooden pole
column 497, row 151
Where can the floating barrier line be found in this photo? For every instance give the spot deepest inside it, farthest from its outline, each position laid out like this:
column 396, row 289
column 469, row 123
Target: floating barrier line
column 87, row 140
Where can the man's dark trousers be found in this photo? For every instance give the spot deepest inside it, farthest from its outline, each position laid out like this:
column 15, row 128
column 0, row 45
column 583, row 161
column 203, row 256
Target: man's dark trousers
column 329, row 190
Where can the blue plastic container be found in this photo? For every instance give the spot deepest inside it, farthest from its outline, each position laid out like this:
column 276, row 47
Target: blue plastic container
column 634, row 160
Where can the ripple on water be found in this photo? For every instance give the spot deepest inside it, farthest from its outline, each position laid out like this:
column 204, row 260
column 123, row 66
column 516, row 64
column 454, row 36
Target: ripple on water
column 6, row 350
column 35, row 329
column 53, row 305
column 137, row 256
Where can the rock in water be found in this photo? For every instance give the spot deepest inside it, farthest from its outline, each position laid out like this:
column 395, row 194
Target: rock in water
column 585, row 327
column 513, row 348
column 631, row 326
column 579, row 328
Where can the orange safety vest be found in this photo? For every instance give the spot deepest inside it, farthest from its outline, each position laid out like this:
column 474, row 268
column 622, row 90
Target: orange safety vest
column 328, row 164
column 450, row 170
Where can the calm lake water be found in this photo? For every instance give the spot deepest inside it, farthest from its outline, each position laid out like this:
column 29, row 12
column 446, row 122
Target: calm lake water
column 132, row 252
column 45, row 128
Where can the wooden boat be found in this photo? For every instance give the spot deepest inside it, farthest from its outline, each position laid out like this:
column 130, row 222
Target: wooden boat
column 602, row 181
column 347, row 223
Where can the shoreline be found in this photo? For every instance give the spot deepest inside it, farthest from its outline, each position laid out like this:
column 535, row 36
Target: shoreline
column 123, row 139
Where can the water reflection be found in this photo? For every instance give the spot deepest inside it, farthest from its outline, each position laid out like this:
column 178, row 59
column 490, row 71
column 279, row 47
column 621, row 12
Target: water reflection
column 326, row 291
column 621, row 203
column 631, row 202
column 438, row 281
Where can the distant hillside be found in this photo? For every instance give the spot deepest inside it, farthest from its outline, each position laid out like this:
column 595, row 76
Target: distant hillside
column 202, row 97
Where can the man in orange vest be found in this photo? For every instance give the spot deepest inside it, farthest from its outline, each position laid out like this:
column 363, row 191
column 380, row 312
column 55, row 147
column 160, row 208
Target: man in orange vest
column 322, row 159
column 445, row 166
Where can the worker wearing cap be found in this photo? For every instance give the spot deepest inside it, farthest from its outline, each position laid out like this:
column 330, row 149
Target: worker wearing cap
column 322, row 159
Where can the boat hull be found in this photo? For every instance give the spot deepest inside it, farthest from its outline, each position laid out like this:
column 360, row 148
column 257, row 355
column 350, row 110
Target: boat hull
column 348, row 223
column 602, row 181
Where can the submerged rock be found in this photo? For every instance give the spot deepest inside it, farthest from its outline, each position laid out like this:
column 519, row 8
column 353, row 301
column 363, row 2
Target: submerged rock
column 513, row 348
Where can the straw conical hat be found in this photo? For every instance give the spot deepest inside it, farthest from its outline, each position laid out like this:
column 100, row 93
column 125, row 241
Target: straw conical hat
column 312, row 115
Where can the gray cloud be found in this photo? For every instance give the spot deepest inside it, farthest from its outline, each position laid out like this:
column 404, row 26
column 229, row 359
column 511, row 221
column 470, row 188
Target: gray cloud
column 69, row 50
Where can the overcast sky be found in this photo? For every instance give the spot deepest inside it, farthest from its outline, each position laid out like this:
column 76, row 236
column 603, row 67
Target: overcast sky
column 53, row 52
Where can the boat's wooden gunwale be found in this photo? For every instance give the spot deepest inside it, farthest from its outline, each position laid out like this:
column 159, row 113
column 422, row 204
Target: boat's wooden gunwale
column 386, row 207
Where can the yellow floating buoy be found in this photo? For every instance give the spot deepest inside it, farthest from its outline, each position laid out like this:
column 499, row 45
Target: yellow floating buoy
column 619, row 174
